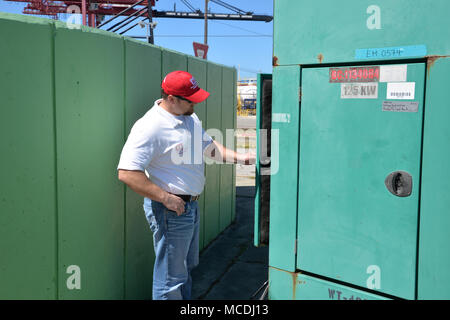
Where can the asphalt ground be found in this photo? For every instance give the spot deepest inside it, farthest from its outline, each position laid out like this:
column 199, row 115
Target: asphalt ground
column 231, row 267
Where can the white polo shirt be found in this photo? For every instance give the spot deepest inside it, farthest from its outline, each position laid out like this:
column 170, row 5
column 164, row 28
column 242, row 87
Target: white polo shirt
column 169, row 149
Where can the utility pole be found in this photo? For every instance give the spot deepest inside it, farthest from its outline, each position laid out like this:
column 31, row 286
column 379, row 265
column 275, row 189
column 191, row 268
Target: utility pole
column 150, row 39
column 206, row 22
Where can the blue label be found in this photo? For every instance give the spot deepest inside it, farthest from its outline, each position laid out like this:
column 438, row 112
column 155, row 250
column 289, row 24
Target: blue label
column 391, row 52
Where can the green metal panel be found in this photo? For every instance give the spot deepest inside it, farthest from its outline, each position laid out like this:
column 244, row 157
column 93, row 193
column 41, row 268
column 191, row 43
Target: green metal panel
column 172, row 61
column 281, row 284
column 311, row 288
column 27, row 194
column 212, row 187
column 297, row 286
column 197, row 68
column 142, row 88
column 348, row 220
column 345, row 233
column 89, row 128
column 327, row 31
column 434, row 256
column 283, row 205
column 227, row 125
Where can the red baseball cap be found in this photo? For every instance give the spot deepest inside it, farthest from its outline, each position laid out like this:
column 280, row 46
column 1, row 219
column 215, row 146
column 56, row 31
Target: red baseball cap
column 183, row 84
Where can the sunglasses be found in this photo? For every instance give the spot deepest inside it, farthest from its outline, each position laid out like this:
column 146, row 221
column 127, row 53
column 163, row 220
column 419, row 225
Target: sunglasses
column 182, row 98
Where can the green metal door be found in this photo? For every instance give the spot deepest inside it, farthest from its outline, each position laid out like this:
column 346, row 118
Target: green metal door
column 358, row 125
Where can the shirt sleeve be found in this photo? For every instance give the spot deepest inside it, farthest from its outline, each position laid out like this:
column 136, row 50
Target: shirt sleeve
column 207, row 140
column 139, row 149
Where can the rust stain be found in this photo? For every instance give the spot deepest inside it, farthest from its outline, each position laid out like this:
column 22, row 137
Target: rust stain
column 294, row 279
column 275, row 61
column 431, row 61
column 320, row 57
column 294, row 283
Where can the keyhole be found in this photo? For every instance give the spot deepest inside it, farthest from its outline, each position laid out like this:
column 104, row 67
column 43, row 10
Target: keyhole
column 399, row 183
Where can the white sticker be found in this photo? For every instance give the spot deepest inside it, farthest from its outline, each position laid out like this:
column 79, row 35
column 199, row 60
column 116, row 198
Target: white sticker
column 400, row 90
column 400, row 106
column 281, row 117
column 359, row 90
column 393, row 73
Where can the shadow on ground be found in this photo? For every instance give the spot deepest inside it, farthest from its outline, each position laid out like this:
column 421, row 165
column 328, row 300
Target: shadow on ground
column 231, row 268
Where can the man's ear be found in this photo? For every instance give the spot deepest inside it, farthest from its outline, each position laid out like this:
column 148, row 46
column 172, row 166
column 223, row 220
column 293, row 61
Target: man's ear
column 171, row 98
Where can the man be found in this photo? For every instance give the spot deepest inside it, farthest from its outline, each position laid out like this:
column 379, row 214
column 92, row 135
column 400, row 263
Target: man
column 168, row 144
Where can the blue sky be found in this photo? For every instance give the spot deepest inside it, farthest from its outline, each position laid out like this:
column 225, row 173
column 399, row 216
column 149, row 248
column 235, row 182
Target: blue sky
column 247, row 44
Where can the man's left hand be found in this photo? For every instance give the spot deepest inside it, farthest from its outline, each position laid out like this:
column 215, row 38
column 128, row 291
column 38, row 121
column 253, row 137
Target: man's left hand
column 249, row 158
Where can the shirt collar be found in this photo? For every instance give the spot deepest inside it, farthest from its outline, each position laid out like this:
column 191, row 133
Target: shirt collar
column 174, row 120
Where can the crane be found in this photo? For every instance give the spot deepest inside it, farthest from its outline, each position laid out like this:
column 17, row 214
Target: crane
column 96, row 10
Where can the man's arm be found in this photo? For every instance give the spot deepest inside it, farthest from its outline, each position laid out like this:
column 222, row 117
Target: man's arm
column 139, row 183
column 218, row 152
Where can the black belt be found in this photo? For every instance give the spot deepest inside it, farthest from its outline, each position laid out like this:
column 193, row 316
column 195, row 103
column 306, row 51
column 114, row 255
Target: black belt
column 187, row 197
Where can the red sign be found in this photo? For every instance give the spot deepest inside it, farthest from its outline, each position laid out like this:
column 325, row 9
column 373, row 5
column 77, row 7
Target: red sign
column 200, row 49
column 355, row 74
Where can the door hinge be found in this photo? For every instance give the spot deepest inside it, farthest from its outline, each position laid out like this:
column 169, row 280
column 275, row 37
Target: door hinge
column 295, row 246
column 300, row 94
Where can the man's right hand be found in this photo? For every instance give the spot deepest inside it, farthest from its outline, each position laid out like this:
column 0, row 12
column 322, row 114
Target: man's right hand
column 174, row 203
column 138, row 182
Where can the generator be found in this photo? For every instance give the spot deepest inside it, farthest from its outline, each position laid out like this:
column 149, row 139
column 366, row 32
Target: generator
column 353, row 169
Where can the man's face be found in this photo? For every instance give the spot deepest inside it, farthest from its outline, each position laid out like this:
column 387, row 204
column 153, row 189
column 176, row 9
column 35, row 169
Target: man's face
column 184, row 106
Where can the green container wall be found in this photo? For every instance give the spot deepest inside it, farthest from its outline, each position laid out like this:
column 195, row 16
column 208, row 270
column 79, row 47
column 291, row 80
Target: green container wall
column 198, row 69
column 28, row 205
column 142, row 80
column 212, row 188
column 69, row 98
column 226, row 170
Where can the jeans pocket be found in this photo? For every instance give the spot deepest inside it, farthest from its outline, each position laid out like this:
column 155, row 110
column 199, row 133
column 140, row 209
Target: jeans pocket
column 187, row 211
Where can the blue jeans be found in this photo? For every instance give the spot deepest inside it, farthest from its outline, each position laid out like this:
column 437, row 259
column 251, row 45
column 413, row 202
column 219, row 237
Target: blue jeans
column 175, row 240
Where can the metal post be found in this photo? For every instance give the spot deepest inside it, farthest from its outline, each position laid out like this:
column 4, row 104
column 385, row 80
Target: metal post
column 83, row 11
column 206, row 22
column 151, row 39
column 91, row 21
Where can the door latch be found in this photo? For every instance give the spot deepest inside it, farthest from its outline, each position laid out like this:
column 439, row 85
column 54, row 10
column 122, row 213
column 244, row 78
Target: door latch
column 399, row 183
